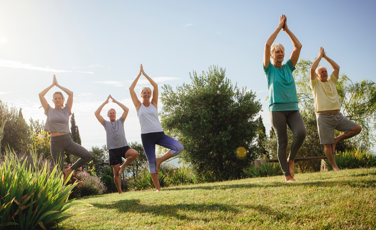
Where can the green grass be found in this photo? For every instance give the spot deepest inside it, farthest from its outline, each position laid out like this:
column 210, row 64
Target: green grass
column 322, row 200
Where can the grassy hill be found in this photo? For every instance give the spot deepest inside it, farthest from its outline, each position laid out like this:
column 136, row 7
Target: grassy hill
column 322, row 200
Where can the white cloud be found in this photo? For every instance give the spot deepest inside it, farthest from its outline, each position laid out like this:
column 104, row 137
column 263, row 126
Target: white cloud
column 77, row 67
column 189, row 24
column 262, row 91
column 19, row 65
column 113, row 83
column 3, row 93
column 85, row 72
column 84, row 94
column 96, row 66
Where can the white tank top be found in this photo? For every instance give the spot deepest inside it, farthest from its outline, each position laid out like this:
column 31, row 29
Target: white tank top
column 149, row 121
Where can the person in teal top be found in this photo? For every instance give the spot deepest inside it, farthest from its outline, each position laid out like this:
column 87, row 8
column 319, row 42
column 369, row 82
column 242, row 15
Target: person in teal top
column 283, row 106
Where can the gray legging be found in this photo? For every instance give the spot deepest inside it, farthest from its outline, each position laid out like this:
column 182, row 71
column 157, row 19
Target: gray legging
column 295, row 121
column 65, row 143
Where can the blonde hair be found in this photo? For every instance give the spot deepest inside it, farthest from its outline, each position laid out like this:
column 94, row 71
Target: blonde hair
column 147, row 88
column 275, row 47
column 57, row 92
column 318, row 68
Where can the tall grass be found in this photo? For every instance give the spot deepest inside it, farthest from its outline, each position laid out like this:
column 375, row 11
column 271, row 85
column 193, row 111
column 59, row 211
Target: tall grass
column 354, row 159
column 267, row 169
column 31, row 195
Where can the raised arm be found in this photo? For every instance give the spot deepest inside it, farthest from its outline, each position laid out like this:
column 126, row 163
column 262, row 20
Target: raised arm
column 154, row 101
column 67, row 91
column 136, row 101
column 42, row 99
column 125, row 108
column 334, row 65
column 271, row 39
column 297, row 45
column 98, row 112
column 316, row 63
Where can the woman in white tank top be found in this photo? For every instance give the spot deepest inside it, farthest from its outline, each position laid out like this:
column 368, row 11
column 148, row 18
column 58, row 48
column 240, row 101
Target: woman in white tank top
column 151, row 129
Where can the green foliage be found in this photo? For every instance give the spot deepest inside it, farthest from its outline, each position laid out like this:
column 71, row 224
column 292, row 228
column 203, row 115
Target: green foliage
column 144, row 181
column 108, row 179
column 354, row 159
column 261, row 139
column 100, row 155
column 39, row 139
column 16, row 131
column 212, row 118
column 32, row 197
column 267, row 169
column 75, row 133
column 179, row 176
column 139, row 164
column 91, row 185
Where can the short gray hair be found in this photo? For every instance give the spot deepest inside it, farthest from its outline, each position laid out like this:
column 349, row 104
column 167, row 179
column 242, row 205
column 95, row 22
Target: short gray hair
column 318, row 68
column 110, row 110
column 275, row 47
column 147, row 88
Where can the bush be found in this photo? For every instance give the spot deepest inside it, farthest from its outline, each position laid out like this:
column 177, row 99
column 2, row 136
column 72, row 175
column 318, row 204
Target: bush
column 75, row 178
column 32, row 197
column 180, row 176
column 267, row 169
column 354, row 159
column 143, row 181
column 108, row 179
column 91, row 185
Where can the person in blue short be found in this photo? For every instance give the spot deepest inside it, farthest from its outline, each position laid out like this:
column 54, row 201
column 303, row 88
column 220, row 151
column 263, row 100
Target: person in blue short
column 116, row 142
column 151, row 129
column 283, row 100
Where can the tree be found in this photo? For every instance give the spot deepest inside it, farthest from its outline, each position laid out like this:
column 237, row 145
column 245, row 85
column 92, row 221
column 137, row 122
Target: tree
column 212, row 118
column 141, row 162
column 261, row 139
column 75, row 133
column 100, row 155
column 39, row 139
column 15, row 131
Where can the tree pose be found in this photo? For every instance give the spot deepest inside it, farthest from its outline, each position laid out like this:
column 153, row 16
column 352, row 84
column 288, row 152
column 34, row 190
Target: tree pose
column 58, row 125
column 116, row 141
column 283, row 100
column 327, row 108
column 151, row 129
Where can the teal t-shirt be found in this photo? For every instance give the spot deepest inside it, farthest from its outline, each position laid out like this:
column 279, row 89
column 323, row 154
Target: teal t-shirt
column 281, row 86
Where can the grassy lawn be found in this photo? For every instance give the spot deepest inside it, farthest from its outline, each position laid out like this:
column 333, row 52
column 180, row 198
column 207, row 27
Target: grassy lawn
column 322, row 200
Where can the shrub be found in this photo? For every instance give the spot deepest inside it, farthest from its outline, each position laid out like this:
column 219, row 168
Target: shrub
column 91, row 185
column 180, row 176
column 108, row 179
column 32, row 197
column 267, row 169
column 143, row 181
column 75, row 178
column 354, row 159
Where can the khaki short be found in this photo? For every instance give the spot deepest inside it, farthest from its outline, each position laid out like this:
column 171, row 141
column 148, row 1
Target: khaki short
column 327, row 123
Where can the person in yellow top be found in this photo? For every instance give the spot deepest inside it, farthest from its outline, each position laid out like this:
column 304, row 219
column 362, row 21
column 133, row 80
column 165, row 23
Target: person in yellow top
column 327, row 108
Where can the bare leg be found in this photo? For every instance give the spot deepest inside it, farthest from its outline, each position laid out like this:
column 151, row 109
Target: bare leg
column 328, row 149
column 130, row 155
column 154, row 177
column 291, row 167
column 354, row 131
column 66, row 172
column 158, row 161
column 117, row 178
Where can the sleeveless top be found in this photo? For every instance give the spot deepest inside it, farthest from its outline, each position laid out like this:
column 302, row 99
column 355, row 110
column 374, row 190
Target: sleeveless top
column 149, row 121
column 57, row 119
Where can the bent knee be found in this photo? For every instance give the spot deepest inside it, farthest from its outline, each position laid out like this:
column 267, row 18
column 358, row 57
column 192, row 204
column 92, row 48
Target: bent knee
column 179, row 149
column 357, row 129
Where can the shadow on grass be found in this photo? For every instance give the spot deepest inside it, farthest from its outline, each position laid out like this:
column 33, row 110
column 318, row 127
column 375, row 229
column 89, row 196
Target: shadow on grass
column 179, row 211
column 341, row 182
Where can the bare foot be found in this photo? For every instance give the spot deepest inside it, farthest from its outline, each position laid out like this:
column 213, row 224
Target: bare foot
column 66, row 172
column 157, row 190
column 158, row 163
column 121, row 170
column 291, row 167
column 120, row 193
column 336, row 168
column 289, row 179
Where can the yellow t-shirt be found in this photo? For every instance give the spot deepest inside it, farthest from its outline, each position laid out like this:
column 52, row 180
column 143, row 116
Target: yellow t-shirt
column 325, row 94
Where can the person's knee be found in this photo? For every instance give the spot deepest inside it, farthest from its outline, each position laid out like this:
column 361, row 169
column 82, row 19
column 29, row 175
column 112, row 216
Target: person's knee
column 135, row 154
column 357, row 129
column 282, row 144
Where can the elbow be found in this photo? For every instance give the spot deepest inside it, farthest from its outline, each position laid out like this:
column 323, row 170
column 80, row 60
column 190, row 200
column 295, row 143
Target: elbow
column 267, row 45
column 299, row 46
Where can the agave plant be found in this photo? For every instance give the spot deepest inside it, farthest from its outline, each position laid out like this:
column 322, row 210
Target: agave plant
column 32, row 196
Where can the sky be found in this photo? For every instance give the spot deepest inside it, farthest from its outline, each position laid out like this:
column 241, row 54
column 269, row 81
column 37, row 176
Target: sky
column 95, row 48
